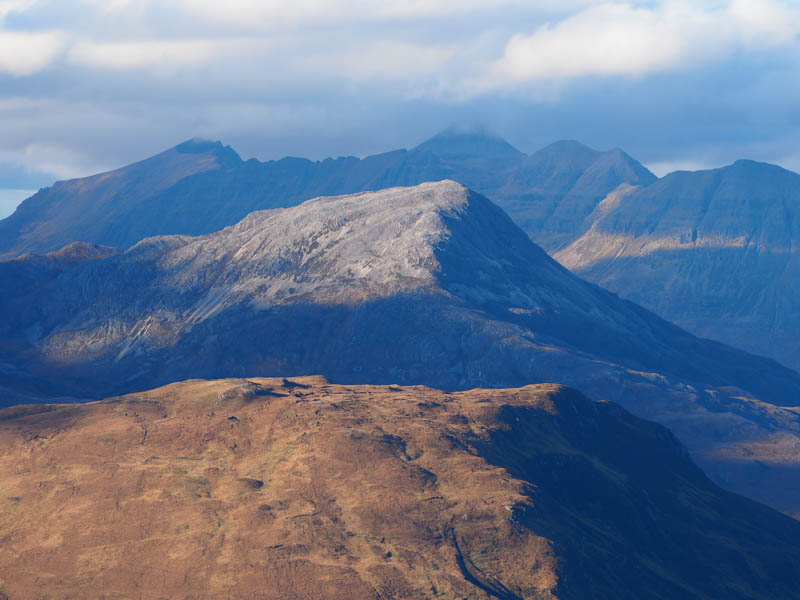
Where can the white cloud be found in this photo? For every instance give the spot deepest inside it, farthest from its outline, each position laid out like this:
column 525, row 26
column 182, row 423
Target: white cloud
column 9, row 6
column 607, row 38
column 764, row 22
column 142, row 53
column 620, row 38
column 24, row 53
column 54, row 158
column 268, row 14
column 385, row 59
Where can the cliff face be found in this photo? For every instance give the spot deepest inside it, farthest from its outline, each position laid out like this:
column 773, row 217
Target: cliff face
column 432, row 284
column 713, row 251
column 275, row 488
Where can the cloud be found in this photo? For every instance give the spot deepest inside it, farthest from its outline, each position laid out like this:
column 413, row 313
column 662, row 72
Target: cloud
column 27, row 53
column 9, row 6
column 387, row 59
column 52, row 157
column 92, row 84
column 55, row 159
column 624, row 39
column 271, row 14
column 142, row 53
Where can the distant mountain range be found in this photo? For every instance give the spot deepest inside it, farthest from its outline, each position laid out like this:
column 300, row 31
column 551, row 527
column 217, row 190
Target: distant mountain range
column 298, row 489
column 714, row 251
column 200, row 187
column 430, row 285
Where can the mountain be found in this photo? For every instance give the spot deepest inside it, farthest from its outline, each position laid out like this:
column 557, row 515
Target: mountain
column 32, row 270
column 20, row 278
column 95, row 208
column 714, row 251
column 432, row 284
column 276, row 488
column 626, row 230
column 202, row 187
column 556, row 189
column 474, row 157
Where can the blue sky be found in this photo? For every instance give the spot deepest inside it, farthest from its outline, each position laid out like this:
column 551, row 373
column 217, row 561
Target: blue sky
column 87, row 85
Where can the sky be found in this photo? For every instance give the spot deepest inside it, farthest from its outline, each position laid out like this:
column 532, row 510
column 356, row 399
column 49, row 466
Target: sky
column 90, row 85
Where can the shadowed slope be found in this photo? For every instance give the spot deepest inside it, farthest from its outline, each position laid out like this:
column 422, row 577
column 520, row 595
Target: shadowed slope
column 20, row 279
column 27, row 272
column 270, row 488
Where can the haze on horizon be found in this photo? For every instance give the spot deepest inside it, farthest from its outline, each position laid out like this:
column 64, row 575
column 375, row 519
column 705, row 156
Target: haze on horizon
column 88, row 85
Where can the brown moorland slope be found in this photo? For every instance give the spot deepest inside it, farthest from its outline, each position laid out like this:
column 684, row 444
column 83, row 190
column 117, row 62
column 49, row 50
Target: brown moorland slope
column 271, row 488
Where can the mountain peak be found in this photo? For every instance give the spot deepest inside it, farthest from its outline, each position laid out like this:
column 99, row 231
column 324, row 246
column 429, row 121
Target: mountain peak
column 744, row 165
column 197, row 145
column 374, row 243
column 630, row 169
column 566, row 153
column 469, row 142
column 225, row 155
column 569, row 147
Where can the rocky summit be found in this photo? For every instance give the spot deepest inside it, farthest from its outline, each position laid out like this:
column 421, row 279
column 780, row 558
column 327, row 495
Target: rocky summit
column 432, row 284
column 297, row 488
